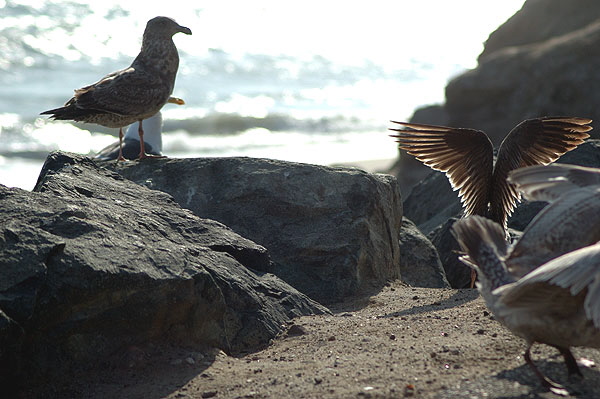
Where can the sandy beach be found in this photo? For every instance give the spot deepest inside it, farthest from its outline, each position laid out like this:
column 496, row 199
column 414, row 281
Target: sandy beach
column 396, row 343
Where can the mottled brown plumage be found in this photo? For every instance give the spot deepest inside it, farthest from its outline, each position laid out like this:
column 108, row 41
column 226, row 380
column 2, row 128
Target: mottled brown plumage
column 134, row 93
column 466, row 157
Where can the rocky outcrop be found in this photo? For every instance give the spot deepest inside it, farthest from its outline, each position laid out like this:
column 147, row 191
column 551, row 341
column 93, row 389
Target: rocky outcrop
column 331, row 232
column 540, row 20
column 542, row 61
column 91, row 263
column 420, row 264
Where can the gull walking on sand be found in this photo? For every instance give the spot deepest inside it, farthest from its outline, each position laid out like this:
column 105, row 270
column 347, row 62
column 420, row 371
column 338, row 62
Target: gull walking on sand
column 558, row 303
column 134, row 93
column 571, row 221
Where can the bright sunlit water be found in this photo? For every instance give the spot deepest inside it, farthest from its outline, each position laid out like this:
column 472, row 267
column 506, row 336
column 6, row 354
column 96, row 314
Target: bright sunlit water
column 312, row 81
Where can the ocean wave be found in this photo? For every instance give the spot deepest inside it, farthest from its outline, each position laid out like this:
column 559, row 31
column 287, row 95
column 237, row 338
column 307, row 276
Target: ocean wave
column 231, row 123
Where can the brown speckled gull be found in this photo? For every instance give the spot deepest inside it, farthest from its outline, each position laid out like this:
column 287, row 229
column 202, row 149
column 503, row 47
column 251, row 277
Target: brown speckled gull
column 466, row 157
column 558, row 303
column 134, row 93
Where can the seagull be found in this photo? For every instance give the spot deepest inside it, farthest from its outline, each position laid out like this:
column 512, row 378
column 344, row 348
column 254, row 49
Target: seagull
column 466, row 157
column 134, row 93
column 558, row 303
column 571, row 221
column 131, row 142
column 548, row 183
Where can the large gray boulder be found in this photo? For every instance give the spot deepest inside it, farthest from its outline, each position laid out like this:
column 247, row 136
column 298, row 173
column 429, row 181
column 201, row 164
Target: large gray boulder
column 91, row 263
column 420, row 264
column 331, row 232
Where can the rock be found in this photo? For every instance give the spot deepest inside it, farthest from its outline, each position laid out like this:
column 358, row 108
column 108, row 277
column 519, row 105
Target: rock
column 91, row 263
column 587, row 154
column 540, row 20
column 11, row 340
column 552, row 77
column 524, row 212
column 432, row 202
column 331, row 232
column 420, row 264
column 457, row 273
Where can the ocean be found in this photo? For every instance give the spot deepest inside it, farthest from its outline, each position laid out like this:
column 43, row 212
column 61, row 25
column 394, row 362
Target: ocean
column 312, row 81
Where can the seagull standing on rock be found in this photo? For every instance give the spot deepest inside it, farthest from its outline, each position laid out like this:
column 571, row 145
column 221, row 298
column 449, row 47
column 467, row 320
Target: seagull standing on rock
column 132, row 94
column 130, row 146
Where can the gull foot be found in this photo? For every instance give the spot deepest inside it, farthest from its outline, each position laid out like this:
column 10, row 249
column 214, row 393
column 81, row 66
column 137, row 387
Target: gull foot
column 558, row 390
column 143, row 156
column 583, row 362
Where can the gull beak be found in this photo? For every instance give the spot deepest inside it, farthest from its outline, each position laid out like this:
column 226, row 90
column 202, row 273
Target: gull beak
column 185, row 30
column 175, row 100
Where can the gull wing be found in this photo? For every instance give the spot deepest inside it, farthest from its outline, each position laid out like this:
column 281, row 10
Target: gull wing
column 548, row 183
column 464, row 155
column 578, row 272
column 125, row 92
column 532, row 142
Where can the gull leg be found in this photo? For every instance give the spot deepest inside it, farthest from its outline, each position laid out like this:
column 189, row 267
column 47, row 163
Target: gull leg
column 473, row 278
column 121, row 157
column 546, row 382
column 571, row 363
column 142, row 146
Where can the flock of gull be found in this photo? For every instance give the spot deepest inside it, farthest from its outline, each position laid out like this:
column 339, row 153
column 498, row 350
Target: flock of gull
column 545, row 287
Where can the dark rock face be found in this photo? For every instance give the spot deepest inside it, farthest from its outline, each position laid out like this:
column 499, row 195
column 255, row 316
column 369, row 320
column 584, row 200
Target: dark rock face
column 540, row 20
column 330, row 231
column 91, row 263
column 420, row 264
column 457, row 273
column 553, row 73
column 432, row 202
